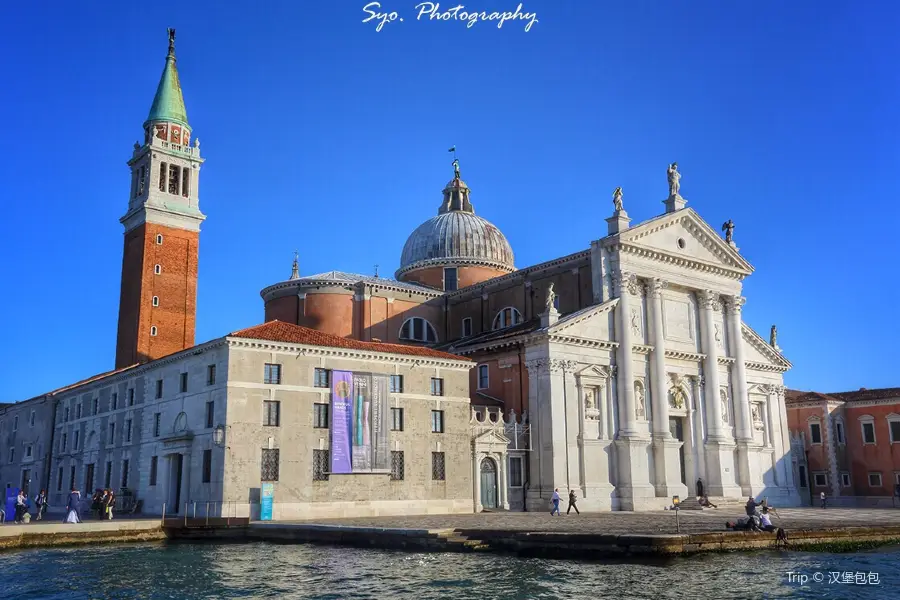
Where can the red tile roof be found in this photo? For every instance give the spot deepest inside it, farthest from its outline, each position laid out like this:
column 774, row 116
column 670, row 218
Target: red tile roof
column 855, row 396
column 279, row 331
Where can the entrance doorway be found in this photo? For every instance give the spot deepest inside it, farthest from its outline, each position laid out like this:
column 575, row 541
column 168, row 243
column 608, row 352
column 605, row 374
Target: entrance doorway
column 26, row 478
column 89, row 479
column 676, row 428
column 176, row 465
column 488, row 483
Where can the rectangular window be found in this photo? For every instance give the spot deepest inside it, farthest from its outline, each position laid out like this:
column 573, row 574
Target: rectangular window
column 174, row 179
column 59, row 480
column 125, row 473
column 437, row 386
column 154, row 464
column 271, row 413
column 397, row 466
column 75, row 440
column 815, row 433
column 163, row 169
column 131, row 394
column 874, row 479
column 127, row 430
column 185, row 182
column 112, row 433
column 12, row 454
column 820, row 479
column 515, row 471
column 396, row 384
column 142, row 180
column 437, row 466
column 396, row 419
column 211, row 375
column 322, row 378
column 77, row 414
column 65, row 442
column 437, row 421
column 272, row 374
column 107, row 477
column 320, row 416
column 72, row 478
column 210, row 414
column 159, row 388
column 895, row 431
column 184, row 380
column 114, row 401
column 320, row 465
column 156, row 419
column 839, row 432
column 467, row 327
column 65, row 420
column 207, row 466
column 269, row 465
column 88, row 478
column 845, row 479
column 483, row 377
column 868, row 431
column 96, row 405
column 451, row 280
column 28, row 451
column 31, row 421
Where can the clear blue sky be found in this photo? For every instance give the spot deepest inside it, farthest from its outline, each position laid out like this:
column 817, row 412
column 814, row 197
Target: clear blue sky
column 325, row 136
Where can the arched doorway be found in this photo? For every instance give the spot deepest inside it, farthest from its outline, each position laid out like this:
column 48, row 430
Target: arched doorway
column 488, row 483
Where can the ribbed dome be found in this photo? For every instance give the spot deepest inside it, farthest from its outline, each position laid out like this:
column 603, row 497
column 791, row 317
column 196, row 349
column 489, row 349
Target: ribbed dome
column 459, row 237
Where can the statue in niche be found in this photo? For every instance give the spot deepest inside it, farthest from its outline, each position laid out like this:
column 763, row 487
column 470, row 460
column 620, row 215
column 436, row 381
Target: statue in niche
column 674, row 180
column 639, row 408
column 678, row 398
column 635, row 322
column 723, row 398
column 756, row 416
column 589, row 399
column 617, row 200
column 728, row 228
column 718, row 334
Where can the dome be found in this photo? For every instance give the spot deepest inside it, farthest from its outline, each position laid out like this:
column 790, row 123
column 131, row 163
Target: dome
column 459, row 237
column 456, row 236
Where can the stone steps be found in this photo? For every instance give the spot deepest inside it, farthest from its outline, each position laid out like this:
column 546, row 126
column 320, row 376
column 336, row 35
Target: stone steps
column 455, row 541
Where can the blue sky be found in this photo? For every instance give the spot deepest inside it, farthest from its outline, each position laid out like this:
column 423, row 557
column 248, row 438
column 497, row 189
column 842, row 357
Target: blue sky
column 325, row 136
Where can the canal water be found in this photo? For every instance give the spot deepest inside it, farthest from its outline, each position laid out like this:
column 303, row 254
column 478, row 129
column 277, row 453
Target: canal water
column 184, row 571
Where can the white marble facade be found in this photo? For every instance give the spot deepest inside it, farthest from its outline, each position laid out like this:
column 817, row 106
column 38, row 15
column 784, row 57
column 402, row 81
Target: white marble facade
column 659, row 383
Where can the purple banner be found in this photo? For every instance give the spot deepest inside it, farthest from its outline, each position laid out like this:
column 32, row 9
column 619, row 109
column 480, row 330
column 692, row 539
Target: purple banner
column 341, row 421
column 362, row 422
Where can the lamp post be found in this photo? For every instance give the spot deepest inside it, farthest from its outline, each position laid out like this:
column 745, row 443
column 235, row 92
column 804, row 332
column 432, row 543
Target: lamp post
column 220, row 439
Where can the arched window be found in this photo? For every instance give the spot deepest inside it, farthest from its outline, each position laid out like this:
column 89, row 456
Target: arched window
column 418, row 329
column 157, row 269
column 507, row 317
column 159, row 239
column 153, row 330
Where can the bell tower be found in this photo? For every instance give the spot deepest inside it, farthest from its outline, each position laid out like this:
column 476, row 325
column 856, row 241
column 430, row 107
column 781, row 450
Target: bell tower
column 158, row 300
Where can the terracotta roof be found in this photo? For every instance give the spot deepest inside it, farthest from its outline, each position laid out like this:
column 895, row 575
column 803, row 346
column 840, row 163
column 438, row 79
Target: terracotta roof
column 279, row 331
column 856, row 396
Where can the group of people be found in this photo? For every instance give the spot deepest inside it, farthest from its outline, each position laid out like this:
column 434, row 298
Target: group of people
column 102, row 504
column 22, row 506
column 758, row 518
column 555, row 500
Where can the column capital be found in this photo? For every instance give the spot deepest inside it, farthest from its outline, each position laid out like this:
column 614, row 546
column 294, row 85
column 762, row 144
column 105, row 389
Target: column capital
column 555, row 365
column 536, row 365
column 655, row 287
column 734, row 304
column 624, row 281
column 709, row 299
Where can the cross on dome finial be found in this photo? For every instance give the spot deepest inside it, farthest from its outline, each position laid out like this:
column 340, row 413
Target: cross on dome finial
column 171, row 31
column 295, row 269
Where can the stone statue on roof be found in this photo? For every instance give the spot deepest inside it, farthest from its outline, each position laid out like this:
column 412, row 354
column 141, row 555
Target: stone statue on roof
column 617, row 199
column 551, row 299
column 728, row 228
column 773, row 337
column 674, row 180
column 456, row 168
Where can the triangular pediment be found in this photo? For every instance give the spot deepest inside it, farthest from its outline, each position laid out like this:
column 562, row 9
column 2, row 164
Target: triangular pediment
column 758, row 351
column 589, row 323
column 684, row 236
column 491, row 437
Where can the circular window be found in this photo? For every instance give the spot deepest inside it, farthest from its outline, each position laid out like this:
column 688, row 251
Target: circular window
column 681, row 243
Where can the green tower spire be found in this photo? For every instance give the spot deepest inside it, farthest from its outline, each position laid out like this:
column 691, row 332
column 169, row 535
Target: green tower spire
column 168, row 104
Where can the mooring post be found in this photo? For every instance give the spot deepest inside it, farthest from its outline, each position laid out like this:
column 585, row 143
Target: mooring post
column 207, row 513
column 164, row 515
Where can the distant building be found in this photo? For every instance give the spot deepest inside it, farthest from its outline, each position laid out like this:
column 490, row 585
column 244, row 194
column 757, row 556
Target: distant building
column 846, row 442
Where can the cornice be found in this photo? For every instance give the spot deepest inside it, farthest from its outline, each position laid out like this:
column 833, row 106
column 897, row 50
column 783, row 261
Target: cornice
column 454, row 261
column 582, row 342
column 726, row 360
column 581, row 316
column 641, row 349
column 760, row 344
column 297, row 285
column 758, row 366
column 627, row 247
column 462, row 364
column 683, row 355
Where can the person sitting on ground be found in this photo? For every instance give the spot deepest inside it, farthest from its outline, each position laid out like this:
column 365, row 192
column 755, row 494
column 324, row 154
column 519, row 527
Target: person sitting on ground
column 751, row 506
column 704, row 501
column 765, row 522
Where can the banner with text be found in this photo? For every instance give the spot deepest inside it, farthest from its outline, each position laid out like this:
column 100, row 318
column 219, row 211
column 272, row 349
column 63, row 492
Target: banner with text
column 360, row 409
column 341, row 420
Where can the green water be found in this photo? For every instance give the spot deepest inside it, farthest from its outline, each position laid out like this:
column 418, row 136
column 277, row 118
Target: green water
column 193, row 571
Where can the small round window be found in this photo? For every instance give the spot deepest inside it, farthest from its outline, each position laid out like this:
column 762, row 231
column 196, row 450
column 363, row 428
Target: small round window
column 681, row 243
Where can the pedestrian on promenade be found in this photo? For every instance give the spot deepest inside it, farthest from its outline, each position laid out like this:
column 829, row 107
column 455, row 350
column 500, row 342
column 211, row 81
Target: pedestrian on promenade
column 751, row 506
column 97, row 504
column 555, row 499
column 109, row 503
column 700, row 488
column 21, row 506
column 72, row 513
column 572, row 500
column 823, row 498
column 2, row 516
column 40, row 501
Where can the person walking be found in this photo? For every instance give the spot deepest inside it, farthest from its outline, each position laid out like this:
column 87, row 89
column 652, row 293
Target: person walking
column 72, row 513
column 572, row 505
column 40, row 501
column 21, row 506
column 823, row 499
column 555, row 499
column 109, row 503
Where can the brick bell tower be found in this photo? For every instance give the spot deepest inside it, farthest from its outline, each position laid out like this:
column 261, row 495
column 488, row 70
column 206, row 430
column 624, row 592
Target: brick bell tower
column 158, row 301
